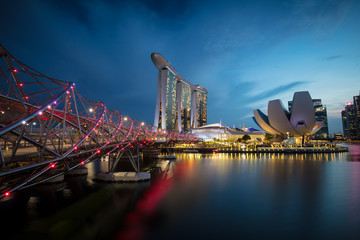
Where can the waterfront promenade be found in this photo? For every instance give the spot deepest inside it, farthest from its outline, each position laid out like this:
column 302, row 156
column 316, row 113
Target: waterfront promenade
column 203, row 148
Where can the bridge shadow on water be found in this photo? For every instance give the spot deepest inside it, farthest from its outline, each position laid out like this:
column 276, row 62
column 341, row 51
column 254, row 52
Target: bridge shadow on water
column 78, row 208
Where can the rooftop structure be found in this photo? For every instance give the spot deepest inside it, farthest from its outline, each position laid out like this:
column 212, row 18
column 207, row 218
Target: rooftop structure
column 217, row 131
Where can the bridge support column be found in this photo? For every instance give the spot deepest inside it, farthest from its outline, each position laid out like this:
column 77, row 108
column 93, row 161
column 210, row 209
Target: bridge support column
column 136, row 176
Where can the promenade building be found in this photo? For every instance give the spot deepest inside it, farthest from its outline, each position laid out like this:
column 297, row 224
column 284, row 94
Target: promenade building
column 320, row 116
column 350, row 120
column 180, row 105
column 216, row 131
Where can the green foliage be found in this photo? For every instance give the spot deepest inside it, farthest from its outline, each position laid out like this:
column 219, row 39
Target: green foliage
column 268, row 137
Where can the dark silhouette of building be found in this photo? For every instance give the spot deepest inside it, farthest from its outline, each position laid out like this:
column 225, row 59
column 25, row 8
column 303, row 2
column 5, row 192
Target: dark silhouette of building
column 351, row 119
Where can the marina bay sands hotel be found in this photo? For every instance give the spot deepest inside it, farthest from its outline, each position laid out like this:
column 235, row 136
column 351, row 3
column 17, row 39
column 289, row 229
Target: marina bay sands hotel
column 180, row 105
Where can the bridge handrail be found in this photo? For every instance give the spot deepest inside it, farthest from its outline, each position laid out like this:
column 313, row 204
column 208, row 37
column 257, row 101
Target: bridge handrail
column 35, row 113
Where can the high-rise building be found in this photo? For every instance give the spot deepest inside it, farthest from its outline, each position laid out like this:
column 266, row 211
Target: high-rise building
column 180, row 105
column 349, row 121
column 320, row 116
column 357, row 110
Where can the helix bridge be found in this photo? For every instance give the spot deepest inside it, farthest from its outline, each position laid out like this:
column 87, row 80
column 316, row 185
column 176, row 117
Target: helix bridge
column 48, row 129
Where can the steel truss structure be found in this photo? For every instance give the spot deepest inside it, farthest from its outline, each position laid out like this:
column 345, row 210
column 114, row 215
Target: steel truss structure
column 47, row 128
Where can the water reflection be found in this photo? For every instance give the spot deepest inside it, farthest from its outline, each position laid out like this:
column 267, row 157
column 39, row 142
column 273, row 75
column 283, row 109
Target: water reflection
column 354, row 150
column 210, row 196
column 289, row 196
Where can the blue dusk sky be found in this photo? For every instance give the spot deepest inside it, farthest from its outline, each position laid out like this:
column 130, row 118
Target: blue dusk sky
column 244, row 52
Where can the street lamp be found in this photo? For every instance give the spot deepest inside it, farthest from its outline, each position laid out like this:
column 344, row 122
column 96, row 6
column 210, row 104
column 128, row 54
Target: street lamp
column 91, row 110
column 125, row 118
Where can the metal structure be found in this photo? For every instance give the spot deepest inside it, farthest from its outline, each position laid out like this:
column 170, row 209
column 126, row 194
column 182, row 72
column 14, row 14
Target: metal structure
column 47, row 128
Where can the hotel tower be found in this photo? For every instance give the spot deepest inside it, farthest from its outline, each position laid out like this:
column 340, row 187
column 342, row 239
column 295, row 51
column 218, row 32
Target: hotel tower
column 180, row 105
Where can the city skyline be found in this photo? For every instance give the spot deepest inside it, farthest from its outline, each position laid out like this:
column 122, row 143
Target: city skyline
column 232, row 48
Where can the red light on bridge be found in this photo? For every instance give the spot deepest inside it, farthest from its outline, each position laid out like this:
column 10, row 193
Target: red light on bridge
column 7, row 194
column 21, row 84
column 26, row 97
column 98, row 151
column 75, row 148
column 15, row 70
column 117, row 146
column 52, row 165
column 82, row 162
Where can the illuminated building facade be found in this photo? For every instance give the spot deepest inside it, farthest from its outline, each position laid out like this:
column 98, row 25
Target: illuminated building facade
column 180, row 105
column 216, row 131
column 299, row 123
column 320, row 116
column 350, row 119
column 357, row 110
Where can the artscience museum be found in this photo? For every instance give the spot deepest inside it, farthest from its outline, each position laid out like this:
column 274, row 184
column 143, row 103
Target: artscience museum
column 300, row 122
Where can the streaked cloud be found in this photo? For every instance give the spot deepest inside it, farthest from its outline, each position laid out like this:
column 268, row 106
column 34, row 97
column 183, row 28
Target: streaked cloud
column 332, row 57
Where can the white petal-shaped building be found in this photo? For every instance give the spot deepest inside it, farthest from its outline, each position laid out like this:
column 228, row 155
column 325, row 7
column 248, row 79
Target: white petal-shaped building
column 279, row 121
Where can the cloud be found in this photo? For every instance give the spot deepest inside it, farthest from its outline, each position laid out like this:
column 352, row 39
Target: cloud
column 332, row 57
column 277, row 90
column 323, row 16
column 169, row 10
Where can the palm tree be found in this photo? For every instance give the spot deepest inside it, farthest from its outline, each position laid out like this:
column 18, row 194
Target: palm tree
column 246, row 137
column 268, row 137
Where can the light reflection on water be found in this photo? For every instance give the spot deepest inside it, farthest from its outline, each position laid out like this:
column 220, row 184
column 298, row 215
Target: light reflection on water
column 222, row 195
column 286, row 196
